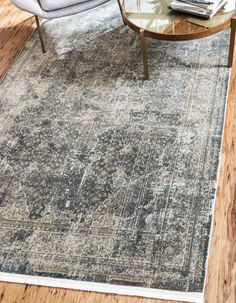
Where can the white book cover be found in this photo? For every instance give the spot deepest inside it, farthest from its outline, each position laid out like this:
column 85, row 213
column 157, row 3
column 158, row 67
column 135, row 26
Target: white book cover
column 195, row 10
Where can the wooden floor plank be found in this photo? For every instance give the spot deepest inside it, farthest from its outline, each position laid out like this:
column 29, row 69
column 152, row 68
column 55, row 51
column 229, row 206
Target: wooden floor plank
column 15, row 29
column 221, row 273
column 21, row 293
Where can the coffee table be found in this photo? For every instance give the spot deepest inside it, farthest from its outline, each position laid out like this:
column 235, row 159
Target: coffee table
column 153, row 18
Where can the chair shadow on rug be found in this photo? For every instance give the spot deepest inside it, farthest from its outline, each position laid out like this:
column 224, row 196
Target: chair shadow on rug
column 115, row 53
column 103, row 57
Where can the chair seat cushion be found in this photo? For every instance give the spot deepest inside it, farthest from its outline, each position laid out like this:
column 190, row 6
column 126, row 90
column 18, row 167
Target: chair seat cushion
column 51, row 5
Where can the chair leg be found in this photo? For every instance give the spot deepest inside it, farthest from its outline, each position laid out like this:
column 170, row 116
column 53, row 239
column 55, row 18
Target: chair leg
column 40, row 34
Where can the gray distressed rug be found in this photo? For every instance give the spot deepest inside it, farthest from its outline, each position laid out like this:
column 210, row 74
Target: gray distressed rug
column 106, row 177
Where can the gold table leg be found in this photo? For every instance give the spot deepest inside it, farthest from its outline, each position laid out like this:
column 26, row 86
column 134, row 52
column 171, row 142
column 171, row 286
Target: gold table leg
column 232, row 41
column 144, row 53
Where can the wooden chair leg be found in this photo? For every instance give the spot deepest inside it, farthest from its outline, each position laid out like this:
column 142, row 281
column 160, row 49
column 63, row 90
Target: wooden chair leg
column 40, row 34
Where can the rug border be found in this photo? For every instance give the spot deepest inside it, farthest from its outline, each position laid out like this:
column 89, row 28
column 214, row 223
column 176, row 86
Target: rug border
column 191, row 297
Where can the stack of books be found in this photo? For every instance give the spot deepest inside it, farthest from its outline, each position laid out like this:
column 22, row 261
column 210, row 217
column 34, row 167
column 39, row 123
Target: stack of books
column 203, row 8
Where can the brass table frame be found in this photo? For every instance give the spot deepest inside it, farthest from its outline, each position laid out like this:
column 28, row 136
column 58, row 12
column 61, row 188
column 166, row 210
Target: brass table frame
column 231, row 22
column 232, row 41
column 231, row 48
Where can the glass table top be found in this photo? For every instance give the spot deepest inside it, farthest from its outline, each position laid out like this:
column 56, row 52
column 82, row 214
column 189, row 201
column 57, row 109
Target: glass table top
column 154, row 16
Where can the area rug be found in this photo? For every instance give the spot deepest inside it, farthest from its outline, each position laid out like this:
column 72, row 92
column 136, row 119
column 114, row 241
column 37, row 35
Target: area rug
column 107, row 179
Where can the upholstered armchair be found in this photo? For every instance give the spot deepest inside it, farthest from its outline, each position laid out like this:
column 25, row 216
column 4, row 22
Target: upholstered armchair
column 50, row 9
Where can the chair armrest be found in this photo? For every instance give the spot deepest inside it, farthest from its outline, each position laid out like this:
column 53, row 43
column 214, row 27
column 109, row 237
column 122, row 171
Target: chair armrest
column 30, row 6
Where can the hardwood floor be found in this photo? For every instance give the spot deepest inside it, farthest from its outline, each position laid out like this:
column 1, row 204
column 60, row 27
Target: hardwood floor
column 221, row 273
column 15, row 28
column 15, row 293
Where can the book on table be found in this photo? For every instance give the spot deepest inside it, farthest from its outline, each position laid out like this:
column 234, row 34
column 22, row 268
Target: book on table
column 202, row 8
